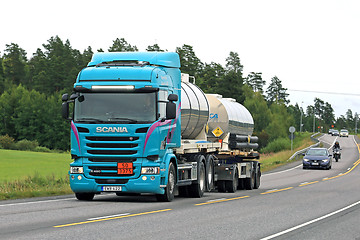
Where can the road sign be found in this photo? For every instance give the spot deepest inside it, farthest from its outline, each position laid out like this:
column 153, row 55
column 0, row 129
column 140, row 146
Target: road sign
column 292, row 129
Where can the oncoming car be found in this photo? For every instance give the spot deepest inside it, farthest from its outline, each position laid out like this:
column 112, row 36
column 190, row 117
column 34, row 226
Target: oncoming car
column 335, row 132
column 344, row 133
column 317, row 158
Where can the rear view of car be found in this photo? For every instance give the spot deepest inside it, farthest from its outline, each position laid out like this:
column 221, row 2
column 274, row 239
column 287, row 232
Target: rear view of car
column 344, row 133
column 317, row 158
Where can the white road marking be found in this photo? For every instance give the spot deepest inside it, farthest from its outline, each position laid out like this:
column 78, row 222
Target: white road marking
column 310, row 222
column 281, row 171
column 117, row 215
column 220, row 199
column 26, row 203
column 46, row 201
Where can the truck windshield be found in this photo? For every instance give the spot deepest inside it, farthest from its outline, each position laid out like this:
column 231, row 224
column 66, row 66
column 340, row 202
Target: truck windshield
column 115, row 108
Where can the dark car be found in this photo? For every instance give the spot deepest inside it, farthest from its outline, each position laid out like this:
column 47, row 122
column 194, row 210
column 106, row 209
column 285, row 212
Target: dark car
column 317, row 158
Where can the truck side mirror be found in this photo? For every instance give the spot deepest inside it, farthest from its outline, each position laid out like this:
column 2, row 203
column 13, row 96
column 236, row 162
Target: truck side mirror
column 65, row 97
column 173, row 97
column 65, row 110
column 170, row 110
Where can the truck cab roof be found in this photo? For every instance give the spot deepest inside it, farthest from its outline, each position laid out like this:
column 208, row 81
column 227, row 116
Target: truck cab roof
column 166, row 59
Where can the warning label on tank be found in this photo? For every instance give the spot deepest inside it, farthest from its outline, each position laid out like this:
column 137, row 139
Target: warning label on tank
column 217, row 132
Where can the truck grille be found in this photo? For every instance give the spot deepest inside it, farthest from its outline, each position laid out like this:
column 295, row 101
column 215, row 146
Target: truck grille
column 112, row 145
column 101, row 160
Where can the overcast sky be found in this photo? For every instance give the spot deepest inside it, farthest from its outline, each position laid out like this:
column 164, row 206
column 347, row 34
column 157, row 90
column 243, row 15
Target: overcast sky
column 310, row 45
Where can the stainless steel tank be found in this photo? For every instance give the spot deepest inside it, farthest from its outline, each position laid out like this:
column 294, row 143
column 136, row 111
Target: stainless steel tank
column 194, row 110
column 228, row 116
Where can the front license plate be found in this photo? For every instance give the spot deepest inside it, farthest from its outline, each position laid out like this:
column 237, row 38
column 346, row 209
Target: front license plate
column 315, row 163
column 125, row 168
column 111, row 188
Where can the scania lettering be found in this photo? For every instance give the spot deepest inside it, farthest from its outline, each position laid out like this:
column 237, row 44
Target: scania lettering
column 111, row 129
column 139, row 125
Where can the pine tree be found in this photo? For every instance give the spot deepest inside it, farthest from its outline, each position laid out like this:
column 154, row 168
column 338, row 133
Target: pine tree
column 121, row 45
column 276, row 93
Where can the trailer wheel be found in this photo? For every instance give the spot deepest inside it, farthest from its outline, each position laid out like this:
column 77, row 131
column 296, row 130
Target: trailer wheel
column 85, row 196
column 209, row 173
column 240, row 184
column 168, row 196
column 250, row 182
column 257, row 178
column 231, row 185
column 197, row 189
column 221, row 186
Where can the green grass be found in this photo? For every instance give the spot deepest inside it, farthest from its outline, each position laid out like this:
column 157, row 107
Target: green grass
column 15, row 165
column 273, row 160
column 33, row 174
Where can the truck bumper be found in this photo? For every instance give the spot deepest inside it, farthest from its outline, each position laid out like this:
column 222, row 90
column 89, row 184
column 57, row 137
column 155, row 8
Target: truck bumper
column 144, row 184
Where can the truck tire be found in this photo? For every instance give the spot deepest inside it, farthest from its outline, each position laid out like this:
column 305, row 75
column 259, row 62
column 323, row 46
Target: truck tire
column 221, row 186
column 197, row 189
column 209, row 173
column 168, row 196
column 249, row 183
column 231, row 185
column 257, row 178
column 85, row 196
column 240, row 184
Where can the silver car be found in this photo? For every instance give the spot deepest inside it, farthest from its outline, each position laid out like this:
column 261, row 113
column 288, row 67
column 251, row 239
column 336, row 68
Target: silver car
column 344, row 133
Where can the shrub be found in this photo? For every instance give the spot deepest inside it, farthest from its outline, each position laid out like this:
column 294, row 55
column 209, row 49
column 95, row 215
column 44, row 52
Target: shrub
column 26, row 145
column 6, row 142
column 42, row 149
column 277, row 145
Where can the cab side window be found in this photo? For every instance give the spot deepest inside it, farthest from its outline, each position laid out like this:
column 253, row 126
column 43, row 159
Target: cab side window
column 163, row 95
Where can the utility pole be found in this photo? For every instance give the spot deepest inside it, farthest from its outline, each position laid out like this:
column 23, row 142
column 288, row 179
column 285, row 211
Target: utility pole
column 301, row 113
column 314, row 121
column 356, row 117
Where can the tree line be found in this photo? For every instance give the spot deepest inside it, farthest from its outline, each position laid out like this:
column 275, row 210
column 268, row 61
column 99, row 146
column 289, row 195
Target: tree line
column 31, row 92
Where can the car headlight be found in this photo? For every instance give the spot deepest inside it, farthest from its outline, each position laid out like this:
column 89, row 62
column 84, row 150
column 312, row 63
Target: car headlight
column 306, row 160
column 150, row 170
column 325, row 160
column 76, row 170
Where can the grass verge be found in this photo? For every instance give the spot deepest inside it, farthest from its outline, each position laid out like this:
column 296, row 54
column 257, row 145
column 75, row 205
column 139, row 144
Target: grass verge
column 270, row 161
column 26, row 174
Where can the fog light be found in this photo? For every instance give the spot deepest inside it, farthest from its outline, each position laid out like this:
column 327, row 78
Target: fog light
column 79, row 177
column 72, row 177
column 144, row 178
column 152, row 178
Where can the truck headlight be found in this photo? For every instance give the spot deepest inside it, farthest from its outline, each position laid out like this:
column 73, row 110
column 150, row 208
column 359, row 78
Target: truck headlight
column 150, row 170
column 76, row 170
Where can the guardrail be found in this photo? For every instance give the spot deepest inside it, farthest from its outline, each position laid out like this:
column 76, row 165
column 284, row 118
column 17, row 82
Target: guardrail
column 305, row 149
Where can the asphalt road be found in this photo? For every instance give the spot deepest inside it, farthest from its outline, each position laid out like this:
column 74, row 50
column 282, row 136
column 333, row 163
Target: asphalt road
column 291, row 204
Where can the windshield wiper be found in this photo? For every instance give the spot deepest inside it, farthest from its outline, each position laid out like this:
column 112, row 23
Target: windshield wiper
column 95, row 120
column 119, row 119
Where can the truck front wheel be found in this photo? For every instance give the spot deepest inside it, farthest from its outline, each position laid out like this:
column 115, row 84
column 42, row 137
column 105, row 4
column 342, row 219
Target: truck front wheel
column 168, row 196
column 85, row 196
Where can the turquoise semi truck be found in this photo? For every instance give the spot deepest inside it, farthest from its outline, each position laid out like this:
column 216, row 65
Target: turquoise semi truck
column 138, row 125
